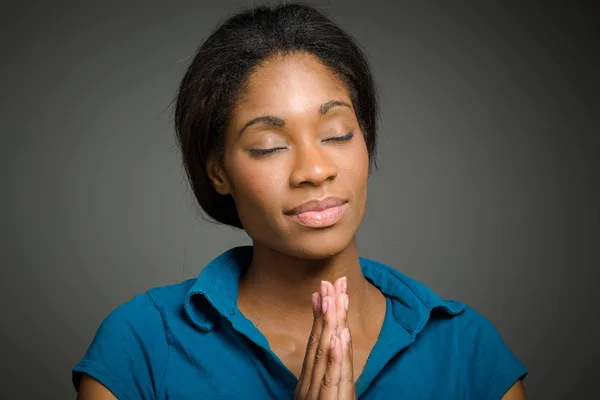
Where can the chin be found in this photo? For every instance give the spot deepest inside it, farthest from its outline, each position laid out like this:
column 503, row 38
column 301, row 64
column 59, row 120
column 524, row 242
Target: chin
column 306, row 243
column 317, row 244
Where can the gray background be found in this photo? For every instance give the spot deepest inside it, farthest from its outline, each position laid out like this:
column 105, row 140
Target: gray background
column 488, row 188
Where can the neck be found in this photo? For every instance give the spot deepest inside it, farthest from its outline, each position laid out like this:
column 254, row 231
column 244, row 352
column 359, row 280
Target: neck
column 280, row 286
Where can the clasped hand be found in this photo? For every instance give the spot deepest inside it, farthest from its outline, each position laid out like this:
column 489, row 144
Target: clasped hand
column 327, row 370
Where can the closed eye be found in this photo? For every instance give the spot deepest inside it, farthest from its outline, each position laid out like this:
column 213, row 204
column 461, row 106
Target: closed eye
column 264, row 152
column 344, row 138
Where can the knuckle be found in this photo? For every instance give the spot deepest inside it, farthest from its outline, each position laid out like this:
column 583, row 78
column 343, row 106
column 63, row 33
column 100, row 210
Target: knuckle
column 328, row 382
column 313, row 338
column 320, row 353
column 347, row 379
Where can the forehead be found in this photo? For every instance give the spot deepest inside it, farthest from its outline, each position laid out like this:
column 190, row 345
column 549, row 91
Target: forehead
column 289, row 84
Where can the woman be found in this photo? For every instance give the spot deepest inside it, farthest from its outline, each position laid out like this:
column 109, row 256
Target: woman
column 276, row 119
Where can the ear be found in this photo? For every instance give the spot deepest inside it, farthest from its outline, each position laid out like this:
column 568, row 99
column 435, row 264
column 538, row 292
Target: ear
column 218, row 177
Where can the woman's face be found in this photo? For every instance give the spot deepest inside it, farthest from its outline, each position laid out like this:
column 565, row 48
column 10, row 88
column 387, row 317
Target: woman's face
column 293, row 138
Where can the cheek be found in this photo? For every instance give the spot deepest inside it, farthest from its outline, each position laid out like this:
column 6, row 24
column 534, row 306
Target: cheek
column 256, row 187
column 357, row 164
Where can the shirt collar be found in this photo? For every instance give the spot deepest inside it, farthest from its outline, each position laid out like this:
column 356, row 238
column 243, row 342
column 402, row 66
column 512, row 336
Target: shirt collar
column 215, row 291
column 412, row 301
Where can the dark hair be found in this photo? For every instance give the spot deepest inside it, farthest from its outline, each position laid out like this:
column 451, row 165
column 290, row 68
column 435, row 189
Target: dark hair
column 219, row 71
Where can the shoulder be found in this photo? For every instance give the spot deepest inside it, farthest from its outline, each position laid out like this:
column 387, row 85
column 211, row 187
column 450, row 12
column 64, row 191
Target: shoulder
column 130, row 348
column 461, row 336
column 170, row 297
column 147, row 308
column 472, row 323
column 472, row 333
column 489, row 367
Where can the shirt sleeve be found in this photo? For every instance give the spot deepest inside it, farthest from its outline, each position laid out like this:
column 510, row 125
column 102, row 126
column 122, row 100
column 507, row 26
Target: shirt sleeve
column 489, row 367
column 128, row 354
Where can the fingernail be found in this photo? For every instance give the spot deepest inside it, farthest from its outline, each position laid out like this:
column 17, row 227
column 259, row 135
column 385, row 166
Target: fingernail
column 315, row 302
column 323, row 289
column 347, row 334
column 346, row 302
column 344, row 285
column 332, row 341
column 324, row 302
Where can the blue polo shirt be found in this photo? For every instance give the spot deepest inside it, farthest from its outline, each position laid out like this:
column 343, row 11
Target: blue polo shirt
column 190, row 341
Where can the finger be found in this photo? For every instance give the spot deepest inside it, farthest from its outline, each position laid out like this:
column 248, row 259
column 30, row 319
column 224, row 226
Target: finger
column 344, row 335
column 322, row 349
column 330, row 290
column 346, row 388
column 311, row 347
column 331, row 380
column 341, row 307
column 338, row 286
column 324, row 288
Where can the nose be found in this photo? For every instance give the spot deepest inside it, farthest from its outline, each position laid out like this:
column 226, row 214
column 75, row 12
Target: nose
column 313, row 166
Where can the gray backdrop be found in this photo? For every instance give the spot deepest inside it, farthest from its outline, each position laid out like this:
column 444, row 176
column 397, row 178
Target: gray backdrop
column 488, row 187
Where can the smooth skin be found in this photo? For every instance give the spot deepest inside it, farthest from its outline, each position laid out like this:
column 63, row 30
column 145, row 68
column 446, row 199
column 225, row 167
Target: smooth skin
column 304, row 117
column 293, row 136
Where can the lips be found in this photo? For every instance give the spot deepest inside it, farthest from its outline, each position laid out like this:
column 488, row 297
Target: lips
column 319, row 213
column 317, row 205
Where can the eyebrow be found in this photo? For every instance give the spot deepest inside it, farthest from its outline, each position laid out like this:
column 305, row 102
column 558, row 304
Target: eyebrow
column 276, row 121
column 331, row 104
